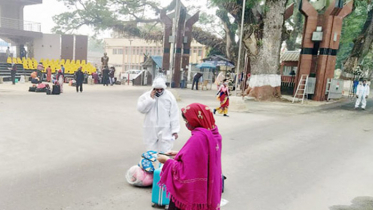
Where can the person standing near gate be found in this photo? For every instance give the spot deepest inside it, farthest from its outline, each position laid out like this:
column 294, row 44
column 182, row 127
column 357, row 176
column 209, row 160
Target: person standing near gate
column 362, row 94
column 13, row 73
column 79, row 77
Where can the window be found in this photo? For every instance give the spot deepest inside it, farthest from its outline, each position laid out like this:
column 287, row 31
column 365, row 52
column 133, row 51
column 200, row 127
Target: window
column 200, row 51
column 126, row 50
column 194, row 50
column 117, row 51
column 287, row 70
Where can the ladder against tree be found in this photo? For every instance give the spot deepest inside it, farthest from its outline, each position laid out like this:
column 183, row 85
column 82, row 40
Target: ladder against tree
column 301, row 91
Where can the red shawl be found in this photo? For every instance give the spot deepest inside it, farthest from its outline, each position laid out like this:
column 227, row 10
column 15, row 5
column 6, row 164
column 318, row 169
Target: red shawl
column 194, row 176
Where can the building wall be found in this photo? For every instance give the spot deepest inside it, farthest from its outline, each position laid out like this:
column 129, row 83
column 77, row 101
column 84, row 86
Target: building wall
column 47, row 47
column 11, row 16
column 81, row 47
column 125, row 54
column 67, row 47
column 13, row 11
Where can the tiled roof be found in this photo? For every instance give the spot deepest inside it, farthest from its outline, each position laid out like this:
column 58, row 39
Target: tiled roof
column 290, row 56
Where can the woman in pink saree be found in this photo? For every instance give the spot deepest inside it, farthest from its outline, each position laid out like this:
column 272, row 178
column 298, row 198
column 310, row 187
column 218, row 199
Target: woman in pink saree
column 194, row 176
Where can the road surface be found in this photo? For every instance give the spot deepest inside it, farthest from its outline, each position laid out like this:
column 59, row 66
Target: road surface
column 72, row 152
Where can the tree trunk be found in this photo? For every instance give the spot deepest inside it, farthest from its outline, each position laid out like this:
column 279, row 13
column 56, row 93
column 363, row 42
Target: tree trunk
column 362, row 45
column 265, row 81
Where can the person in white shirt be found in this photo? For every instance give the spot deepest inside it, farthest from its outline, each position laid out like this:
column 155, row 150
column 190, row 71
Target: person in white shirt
column 161, row 123
column 362, row 94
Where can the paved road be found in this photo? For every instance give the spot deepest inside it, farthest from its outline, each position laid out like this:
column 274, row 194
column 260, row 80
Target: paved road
column 72, row 151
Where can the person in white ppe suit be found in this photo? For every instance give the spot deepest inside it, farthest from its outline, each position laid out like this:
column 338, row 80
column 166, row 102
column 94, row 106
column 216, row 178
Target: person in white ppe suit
column 161, row 124
column 362, row 94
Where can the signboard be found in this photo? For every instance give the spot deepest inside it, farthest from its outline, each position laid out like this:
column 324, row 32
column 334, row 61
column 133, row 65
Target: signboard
column 334, row 89
column 311, row 85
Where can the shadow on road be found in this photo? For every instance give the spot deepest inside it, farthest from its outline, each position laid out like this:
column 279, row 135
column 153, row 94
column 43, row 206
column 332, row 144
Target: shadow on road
column 358, row 203
column 348, row 105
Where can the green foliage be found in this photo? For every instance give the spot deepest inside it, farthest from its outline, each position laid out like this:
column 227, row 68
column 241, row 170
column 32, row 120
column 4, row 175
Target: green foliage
column 214, row 51
column 102, row 14
column 209, row 22
column 295, row 26
column 367, row 63
column 96, row 45
column 352, row 26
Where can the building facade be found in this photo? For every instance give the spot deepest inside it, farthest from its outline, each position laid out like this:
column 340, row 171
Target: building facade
column 125, row 53
column 13, row 28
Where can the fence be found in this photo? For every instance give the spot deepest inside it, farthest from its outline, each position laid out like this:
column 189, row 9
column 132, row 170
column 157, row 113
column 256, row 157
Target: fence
column 19, row 24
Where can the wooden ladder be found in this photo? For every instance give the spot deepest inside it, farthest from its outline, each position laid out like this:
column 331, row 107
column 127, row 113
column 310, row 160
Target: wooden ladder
column 302, row 88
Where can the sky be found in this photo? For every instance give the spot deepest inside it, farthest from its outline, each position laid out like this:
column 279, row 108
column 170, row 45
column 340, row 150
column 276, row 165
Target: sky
column 43, row 13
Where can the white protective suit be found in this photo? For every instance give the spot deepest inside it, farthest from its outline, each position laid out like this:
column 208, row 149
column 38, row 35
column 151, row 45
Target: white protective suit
column 161, row 118
column 362, row 92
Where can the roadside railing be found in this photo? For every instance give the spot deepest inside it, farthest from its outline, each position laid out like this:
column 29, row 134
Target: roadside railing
column 20, row 24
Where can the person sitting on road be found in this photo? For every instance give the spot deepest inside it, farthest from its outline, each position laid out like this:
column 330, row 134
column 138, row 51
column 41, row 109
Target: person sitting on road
column 193, row 178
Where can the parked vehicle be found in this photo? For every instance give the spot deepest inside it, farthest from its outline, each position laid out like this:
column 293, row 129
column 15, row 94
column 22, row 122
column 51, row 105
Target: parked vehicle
column 131, row 73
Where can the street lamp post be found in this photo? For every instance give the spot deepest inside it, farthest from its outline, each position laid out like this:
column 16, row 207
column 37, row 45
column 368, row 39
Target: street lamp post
column 129, row 63
column 240, row 45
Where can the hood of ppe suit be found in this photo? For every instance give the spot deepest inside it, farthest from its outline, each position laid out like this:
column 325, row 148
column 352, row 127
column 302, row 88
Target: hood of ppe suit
column 159, row 83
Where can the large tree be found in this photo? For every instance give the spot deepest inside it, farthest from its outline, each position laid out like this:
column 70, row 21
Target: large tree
column 138, row 18
column 357, row 42
column 262, row 39
column 262, row 30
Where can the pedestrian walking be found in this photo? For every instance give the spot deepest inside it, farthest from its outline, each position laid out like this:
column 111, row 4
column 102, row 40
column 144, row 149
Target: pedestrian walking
column 79, row 78
column 193, row 178
column 362, row 94
column 161, row 123
column 223, row 96
column 196, row 78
